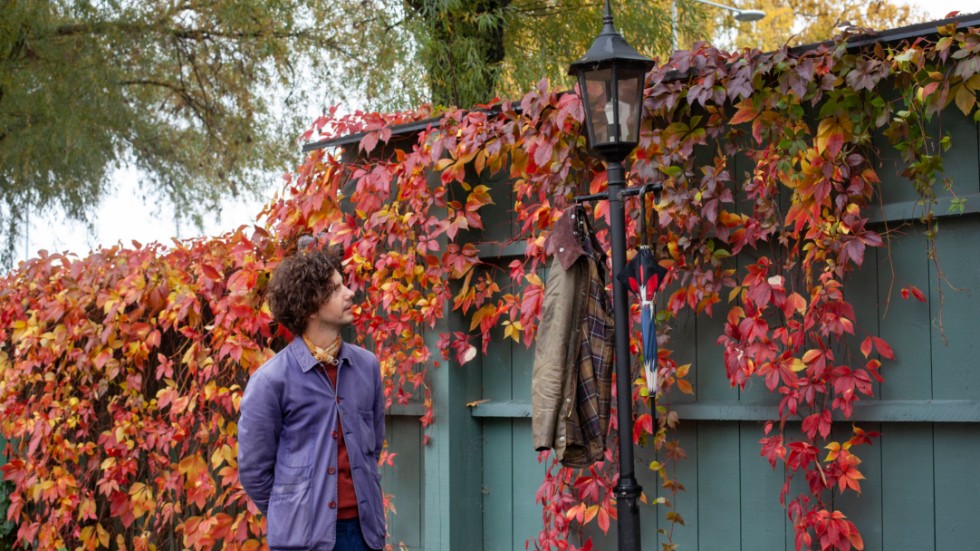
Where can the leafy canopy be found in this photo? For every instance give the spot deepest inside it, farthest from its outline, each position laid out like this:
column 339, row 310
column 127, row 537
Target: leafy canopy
column 187, row 92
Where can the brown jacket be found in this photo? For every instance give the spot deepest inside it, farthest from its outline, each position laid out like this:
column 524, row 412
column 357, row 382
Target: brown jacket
column 571, row 381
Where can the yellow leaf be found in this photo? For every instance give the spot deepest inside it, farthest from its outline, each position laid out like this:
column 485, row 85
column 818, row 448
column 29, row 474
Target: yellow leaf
column 965, row 98
column 974, row 83
column 102, row 534
column 685, row 387
column 797, row 364
column 441, row 164
column 811, row 355
column 533, row 279
column 590, row 513
column 682, row 370
column 832, row 133
column 733, row 294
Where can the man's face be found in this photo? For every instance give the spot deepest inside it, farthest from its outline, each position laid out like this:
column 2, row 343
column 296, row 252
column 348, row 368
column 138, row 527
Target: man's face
column 337, row 311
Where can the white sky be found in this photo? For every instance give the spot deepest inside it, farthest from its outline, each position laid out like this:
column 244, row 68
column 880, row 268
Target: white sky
column 125, row 215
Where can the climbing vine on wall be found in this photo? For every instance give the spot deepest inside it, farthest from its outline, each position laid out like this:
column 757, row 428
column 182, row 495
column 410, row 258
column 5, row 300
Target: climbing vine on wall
column 122, row 371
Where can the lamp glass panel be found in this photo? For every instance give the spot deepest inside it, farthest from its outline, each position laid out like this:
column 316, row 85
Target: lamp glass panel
column 597, row 86
column 630, row 99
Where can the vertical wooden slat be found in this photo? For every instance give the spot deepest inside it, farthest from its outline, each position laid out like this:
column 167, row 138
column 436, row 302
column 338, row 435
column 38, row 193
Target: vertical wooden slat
column 404, row 481
column 864, row 509
column 904, row 324
column 709, row 378
column 957, row 472
column 686, row 502
column 498, row 465
column 763, row 525
column 907, row 490
column 718, row 521
column 528, row 476
column 955, row 346
column 498, row 485
column 960, row 162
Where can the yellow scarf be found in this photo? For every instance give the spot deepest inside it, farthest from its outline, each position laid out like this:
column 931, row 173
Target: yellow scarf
column 326, row 355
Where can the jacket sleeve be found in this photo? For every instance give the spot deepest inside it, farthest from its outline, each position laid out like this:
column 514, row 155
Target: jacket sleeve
column 259, row 427
column 379, row 410
column 550, row 354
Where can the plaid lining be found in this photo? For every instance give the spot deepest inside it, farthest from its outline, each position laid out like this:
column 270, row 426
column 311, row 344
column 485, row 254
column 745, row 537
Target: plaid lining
column 595, row 361
column 587, row 428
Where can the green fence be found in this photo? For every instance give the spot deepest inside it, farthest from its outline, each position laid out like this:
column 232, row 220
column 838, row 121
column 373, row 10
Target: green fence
column 473, row 485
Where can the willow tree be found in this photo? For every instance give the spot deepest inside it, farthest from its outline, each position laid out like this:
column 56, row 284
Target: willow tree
column 187, row 92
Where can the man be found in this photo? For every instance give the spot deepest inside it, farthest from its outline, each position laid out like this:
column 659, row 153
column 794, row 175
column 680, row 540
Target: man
column 312, row 419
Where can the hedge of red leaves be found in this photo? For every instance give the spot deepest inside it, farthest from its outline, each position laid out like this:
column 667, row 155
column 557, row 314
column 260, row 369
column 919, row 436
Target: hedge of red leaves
column 122, row 371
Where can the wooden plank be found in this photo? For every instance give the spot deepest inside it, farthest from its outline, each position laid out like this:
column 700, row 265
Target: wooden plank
column 651, row 515
column 904, row 324
column 411, row 409
column 912, row 210
column 719, row 496
column 528, row 476
column 960, row 162
column 861, row 290
column 404, row 481
column 894, row 187
column 763, row 518
column 708, row 372
column 955, row 346
column 496, row 369
column 498, row 485
column 957, row 493
column 864, row 509
column 686, row 502
column 453, row 465
column 871, row 411
column 504, row 408
column 521, row 371
column 684, row 344
column 907, row 491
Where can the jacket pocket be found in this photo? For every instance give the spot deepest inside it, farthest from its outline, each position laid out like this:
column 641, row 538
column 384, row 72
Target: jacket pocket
column 367, row 432
column 289, row 523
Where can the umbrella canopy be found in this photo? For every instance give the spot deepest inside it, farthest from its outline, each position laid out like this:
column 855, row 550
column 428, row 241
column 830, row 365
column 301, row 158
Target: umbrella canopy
column 643, row 275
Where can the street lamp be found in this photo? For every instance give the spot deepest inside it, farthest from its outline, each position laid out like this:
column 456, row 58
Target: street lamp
column 611, row 77
column 746, row 16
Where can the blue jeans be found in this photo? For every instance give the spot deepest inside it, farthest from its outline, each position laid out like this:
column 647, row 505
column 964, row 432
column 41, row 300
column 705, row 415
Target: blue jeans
column 349, row 536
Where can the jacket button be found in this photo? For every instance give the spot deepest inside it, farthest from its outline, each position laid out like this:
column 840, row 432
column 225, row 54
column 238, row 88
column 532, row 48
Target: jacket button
column 562, row 439
column 333, row 505
column 334, row 434
column 331, row 470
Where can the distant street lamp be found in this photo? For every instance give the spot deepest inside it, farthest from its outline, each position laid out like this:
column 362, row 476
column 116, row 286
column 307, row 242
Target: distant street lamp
column 740, row 15
column 611, row 77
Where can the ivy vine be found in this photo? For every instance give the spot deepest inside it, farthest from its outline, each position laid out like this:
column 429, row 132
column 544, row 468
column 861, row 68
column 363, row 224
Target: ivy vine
column 122, row 371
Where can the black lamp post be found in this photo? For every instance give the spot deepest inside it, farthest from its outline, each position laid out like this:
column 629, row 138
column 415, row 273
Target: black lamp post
column 611, row 77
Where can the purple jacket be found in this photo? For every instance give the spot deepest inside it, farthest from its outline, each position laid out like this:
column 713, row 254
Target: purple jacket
column 285, row 445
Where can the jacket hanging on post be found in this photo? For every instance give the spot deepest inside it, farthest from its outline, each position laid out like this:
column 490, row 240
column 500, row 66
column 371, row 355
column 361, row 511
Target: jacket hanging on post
column 573, row 358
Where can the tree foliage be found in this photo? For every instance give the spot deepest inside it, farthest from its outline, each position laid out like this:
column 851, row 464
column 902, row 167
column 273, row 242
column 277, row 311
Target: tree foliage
column 121, row 372
column 184, row 91
column 798, row 22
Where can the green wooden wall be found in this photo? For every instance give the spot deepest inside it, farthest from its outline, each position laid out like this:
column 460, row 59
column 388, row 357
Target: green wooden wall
column 473, row 486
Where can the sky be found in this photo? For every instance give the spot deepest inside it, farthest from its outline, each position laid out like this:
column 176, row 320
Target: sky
column 127, row 214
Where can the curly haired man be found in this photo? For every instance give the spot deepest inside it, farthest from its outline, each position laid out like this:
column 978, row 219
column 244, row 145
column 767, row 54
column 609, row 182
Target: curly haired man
column 312, row 419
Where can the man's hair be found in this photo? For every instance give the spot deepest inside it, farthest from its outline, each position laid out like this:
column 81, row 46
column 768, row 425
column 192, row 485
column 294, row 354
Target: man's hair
column 300, row 285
